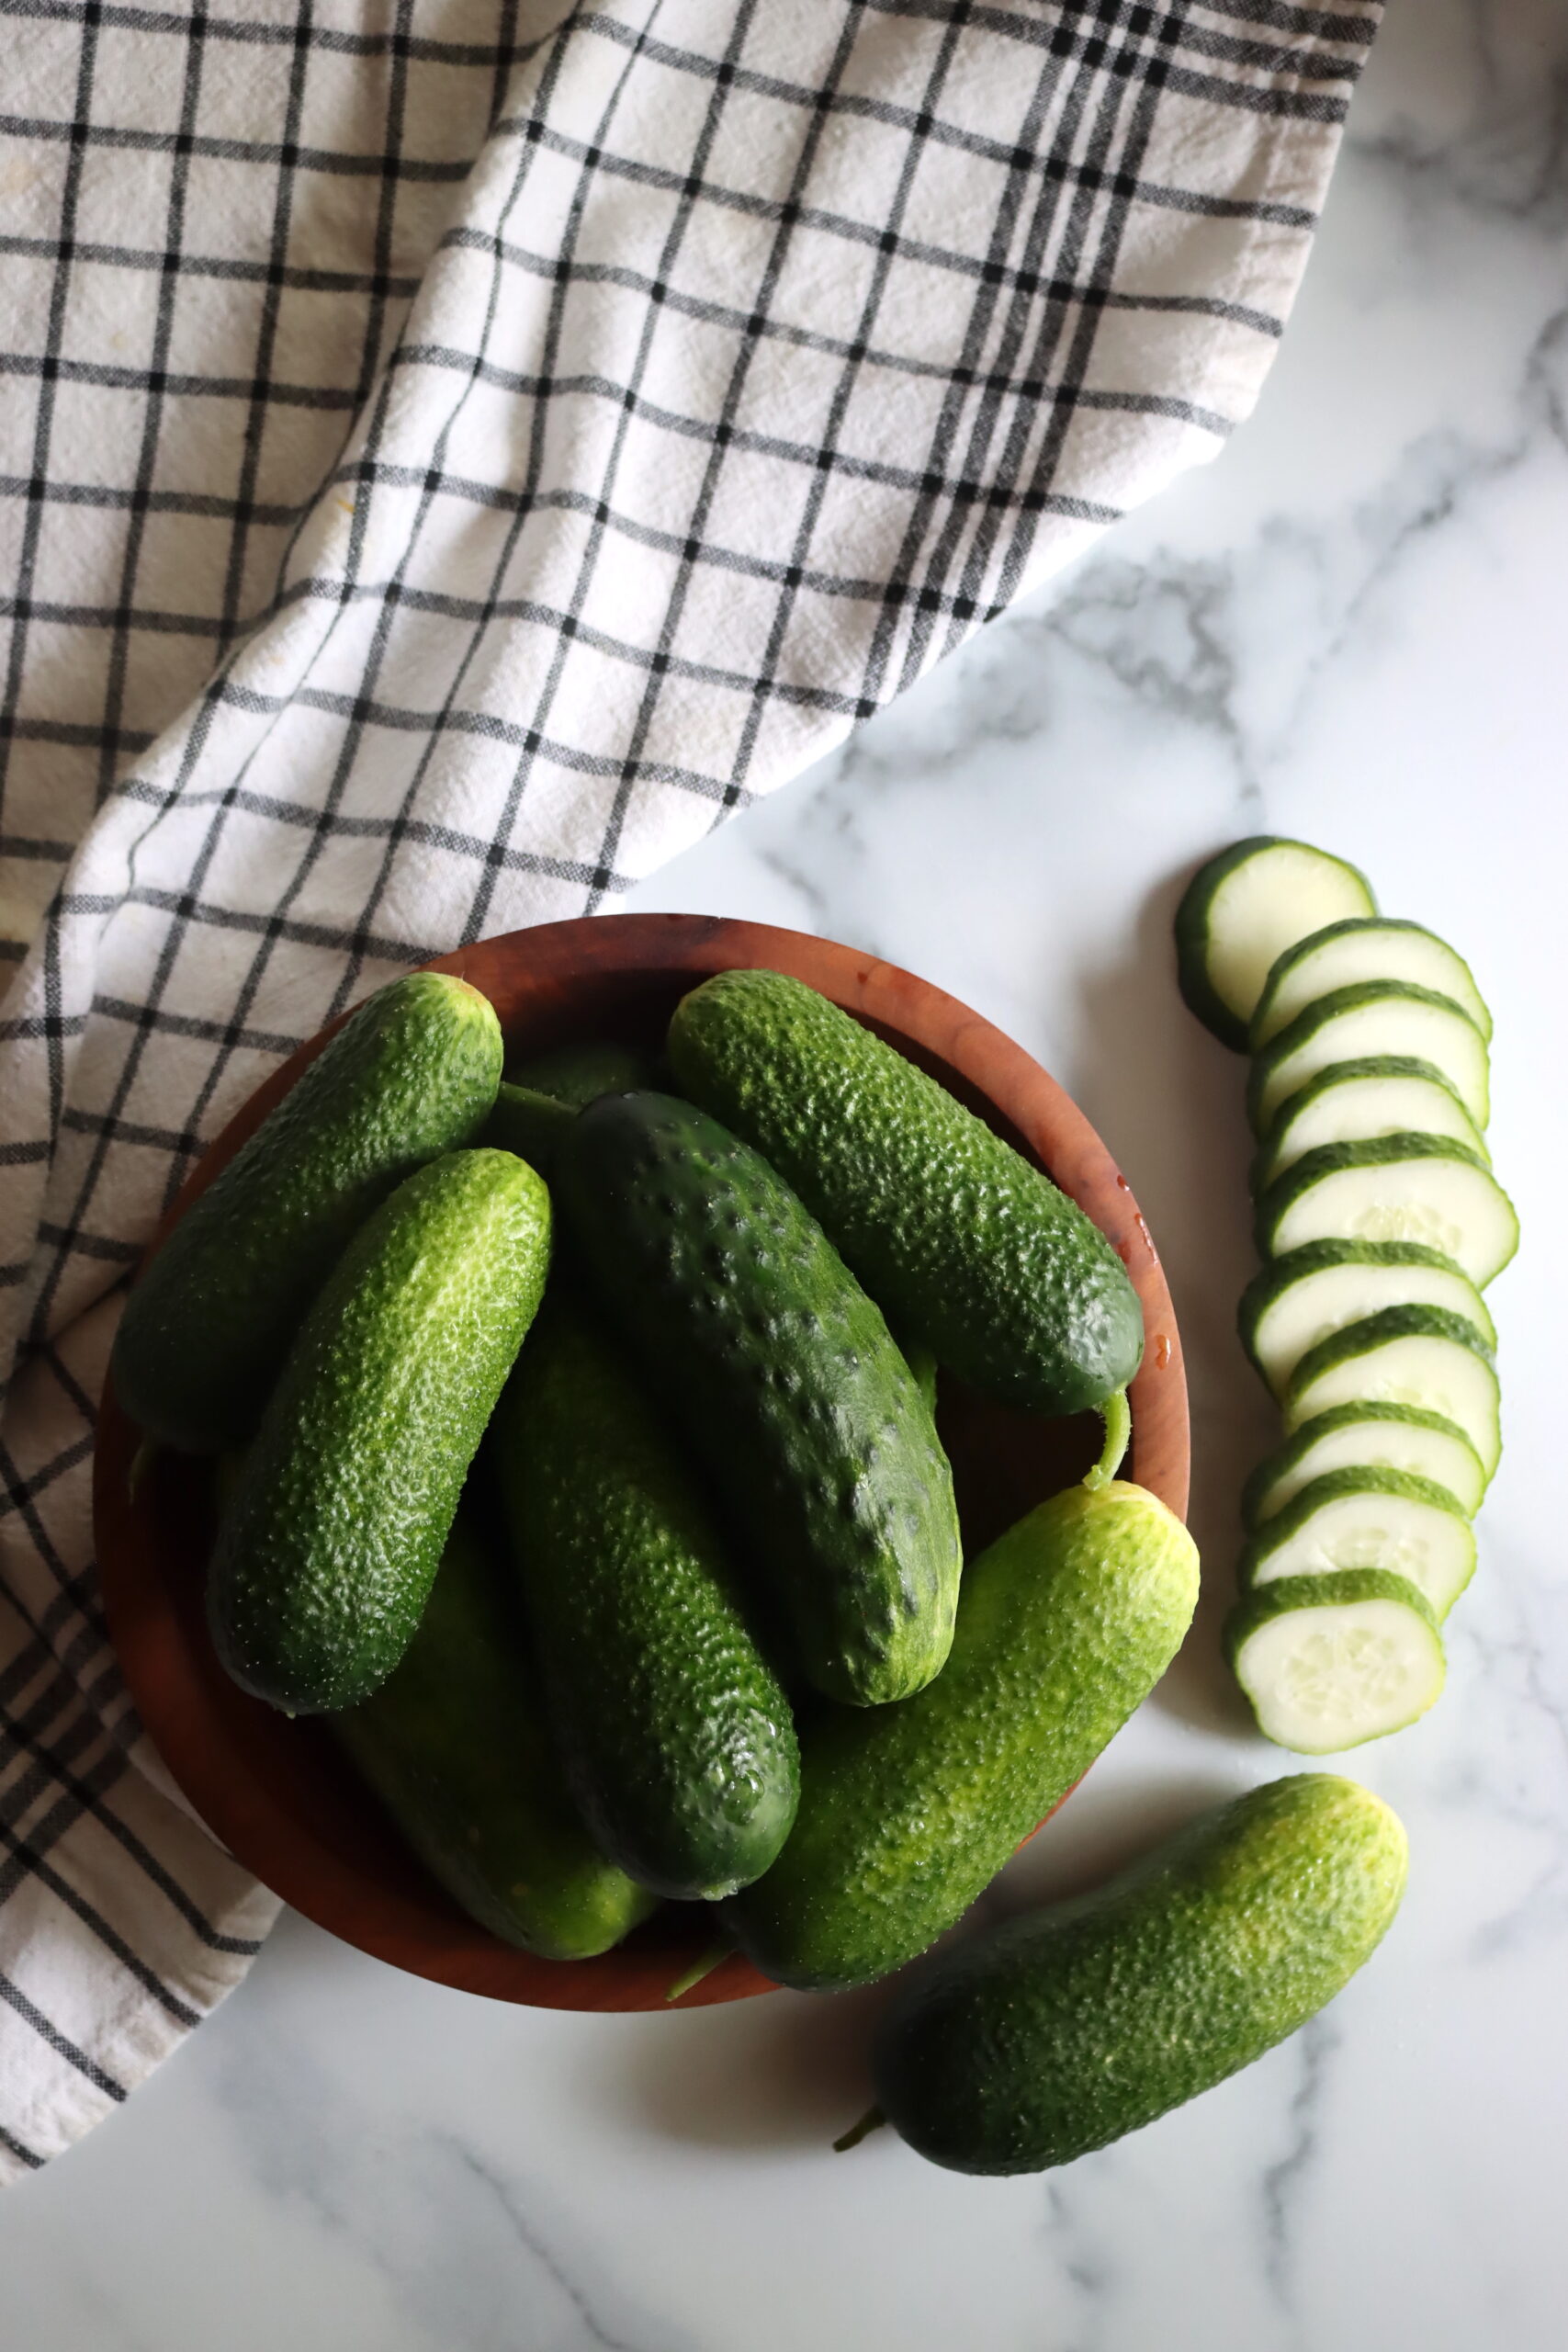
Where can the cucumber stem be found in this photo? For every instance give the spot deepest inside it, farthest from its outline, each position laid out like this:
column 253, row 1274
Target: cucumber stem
column 872, row 2120
column 140, row 1463
column 704, row 1965
column 1118, row 1419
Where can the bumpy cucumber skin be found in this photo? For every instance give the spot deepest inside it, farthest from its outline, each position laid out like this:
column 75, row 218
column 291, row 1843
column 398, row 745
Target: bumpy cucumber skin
column 1191, row 925
column 577, row 1074
column 455, row 1745
column 677, row 1735
column 1064, row 1626
column 206, row 1330
column 962, row 1240
column 1063, row 2031
column 336, row 1527
column 785, row 1379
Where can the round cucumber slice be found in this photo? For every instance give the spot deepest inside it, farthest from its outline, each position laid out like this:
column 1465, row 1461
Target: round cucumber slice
column 1361, row 1023
column 1405, row 1355
column 1328, row 1662
column 1396, row 1187
column 1371, row 1437
column 1314, row 1291
column 1368, row 1518
column 1388, row 1094
column 1240, row 912
column 1364, row 948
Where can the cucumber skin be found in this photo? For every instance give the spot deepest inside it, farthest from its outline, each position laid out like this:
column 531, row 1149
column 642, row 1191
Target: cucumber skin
column 1191, row 926
column 411, row 1075
column 527, row 1122
column 346, row 1497
column 1061, row 2031
column 783, row 1376
column 678, row 1738
column 454, row 1744
column 961, row 1240
column 577, row 1074
column 1064, row 1626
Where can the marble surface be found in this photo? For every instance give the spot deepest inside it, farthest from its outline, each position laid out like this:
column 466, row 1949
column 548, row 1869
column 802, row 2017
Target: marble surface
column 1350, row 628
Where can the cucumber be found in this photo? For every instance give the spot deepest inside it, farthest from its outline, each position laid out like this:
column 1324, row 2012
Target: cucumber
column 1405, row 1355
column 1368, row 1518
column 454, row 1744
column 1329, row 1662
column 527, row 1122
column 577, row 1074
column 1364, row 948
column 340, row 1512
column 1358, row 1102
column 1372, row 1437
column 1064, row 1626
column 1311, row 1291
column 1060, row 2031
column 678, row 1739
column 785, row 1379
column 1364, row 1023
column 962, row 1242
column 1396, row 1188
column 1243, row 910
column 411, row 1075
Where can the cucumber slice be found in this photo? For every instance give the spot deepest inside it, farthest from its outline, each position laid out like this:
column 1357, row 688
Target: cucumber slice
column 1405, row 1355
column 1328, row 1662
column 1304, row 1296
column 1365, row 948
column 1243, row 910
column 1361, row 1023
column 1396, row 1187
column 1368, row 1518
column 1388, row 1094
column 1358, row 1436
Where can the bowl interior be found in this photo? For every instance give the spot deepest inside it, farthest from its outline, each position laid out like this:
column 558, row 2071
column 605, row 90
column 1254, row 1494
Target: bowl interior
column 278, row 1793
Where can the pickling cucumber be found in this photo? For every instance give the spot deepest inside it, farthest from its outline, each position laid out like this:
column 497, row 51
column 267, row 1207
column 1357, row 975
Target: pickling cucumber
column 1364, row 948
column 1299, row 1299
column 1372, row 1437
column 1364, row 1023
column 1243, row 910
column 1355, row 1103
column 1368, row 1518
column 1396, row 1188
column 528, row 1122
column 1405, row 1355
column 579, row 1073
column 1328, row 1662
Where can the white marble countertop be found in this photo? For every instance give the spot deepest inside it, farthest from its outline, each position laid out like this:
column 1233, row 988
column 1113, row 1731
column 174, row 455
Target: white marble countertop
column 1352, row 629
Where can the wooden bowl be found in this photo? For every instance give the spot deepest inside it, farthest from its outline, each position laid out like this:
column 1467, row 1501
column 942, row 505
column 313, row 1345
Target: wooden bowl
column 277, row 1793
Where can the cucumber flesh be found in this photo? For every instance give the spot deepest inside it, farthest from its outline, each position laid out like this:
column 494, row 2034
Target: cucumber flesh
column 1362, row 1023
column 1372, row 1437
column 1396, row 1187
column 1314, row 1291
column 1368, row 1518
column 1355, row 1103
column 1328, row 1662
column 1243, row 910
column 1406, row 1355
column 1364, row 948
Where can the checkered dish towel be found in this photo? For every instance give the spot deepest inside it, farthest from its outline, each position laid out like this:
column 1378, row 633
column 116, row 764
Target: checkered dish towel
column 453, row 456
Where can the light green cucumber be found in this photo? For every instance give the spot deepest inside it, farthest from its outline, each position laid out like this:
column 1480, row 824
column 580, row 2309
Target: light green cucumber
column 1357, row 1102
column 1361, row 1435
column 1397, row 1188
column 1374, row 1019
column 1405, row 1355
column 1312, row 1292
column 1368, row 1518
column 1329, row 1662
column 1364, row 948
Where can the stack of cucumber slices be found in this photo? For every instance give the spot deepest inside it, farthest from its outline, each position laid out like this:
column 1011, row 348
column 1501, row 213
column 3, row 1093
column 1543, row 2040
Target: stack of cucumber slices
column 1379, row 1223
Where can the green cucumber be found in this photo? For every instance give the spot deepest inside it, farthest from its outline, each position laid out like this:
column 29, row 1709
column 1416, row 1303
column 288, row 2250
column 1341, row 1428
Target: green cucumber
column 1357, row 1102
column 579, row 1073
column 345, row 1499
column 454, row 1744
column 1244, row 908
column 785, row 1379
column 1299, row 1299
column 678, row 1739
column 1373, row 1019
column 964, row 1243
column 1396, row 1188
column 1060, row 2031
column 527, row 1122
column 1364, row 948
column 1329, row 1662
column 411, row 1075
column 1064, row 1626
column 1367, row 1436
column 1405, row 1355
column 1368, row 1518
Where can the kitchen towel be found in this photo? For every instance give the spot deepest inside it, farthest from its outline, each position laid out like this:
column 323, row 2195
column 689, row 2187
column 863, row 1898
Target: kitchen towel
column 454, row 452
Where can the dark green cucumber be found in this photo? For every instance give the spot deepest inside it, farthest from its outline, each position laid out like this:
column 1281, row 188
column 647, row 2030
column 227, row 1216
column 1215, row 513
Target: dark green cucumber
column 1064, row 1626
column 411, row 1075
column 336, row 1527
column 780, row 1371
column 1060, row 2031
column 964, row 1242
column 578, row 1073
column 677, row 1735
column 527, row 1122
column 455, row 1745
column 1246, row 907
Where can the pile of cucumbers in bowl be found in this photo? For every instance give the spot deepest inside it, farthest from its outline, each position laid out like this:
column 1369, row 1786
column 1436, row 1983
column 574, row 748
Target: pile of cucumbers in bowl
column 1379, row 1223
